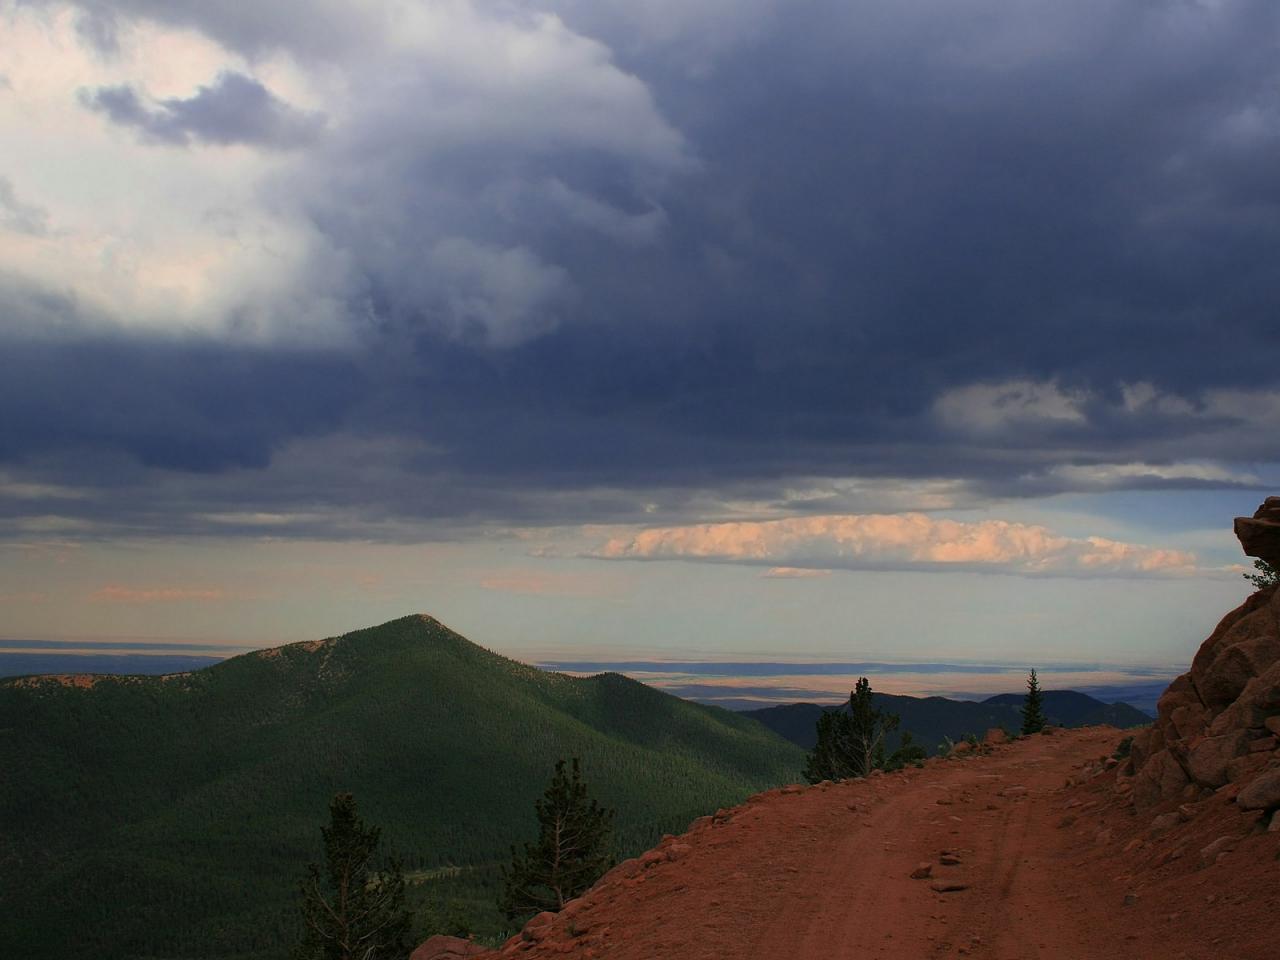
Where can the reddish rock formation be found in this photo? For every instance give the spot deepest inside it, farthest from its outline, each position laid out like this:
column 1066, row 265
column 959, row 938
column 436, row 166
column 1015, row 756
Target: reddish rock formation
column 1260, row 534
column 1216, row 723
column 441, row 947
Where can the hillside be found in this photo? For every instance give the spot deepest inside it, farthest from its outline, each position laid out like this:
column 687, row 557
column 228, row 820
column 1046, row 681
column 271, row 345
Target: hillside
column 172, row 816
column 931, row 719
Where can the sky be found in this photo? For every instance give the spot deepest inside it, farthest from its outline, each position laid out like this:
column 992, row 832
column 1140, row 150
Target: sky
column 935, row 331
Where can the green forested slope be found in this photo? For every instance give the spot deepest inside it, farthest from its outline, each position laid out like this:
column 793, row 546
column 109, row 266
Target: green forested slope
column 150, row 817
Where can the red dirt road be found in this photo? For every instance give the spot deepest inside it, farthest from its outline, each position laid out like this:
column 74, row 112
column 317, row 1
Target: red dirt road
column 825, row 873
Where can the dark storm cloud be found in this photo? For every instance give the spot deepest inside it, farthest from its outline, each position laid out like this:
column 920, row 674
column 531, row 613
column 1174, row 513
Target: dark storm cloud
column 866, row 210
column 166, row 404
column 233, row 109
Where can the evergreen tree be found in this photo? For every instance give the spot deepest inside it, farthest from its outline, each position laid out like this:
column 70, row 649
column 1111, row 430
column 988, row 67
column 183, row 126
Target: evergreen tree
column 1267, row 575
column 351, row 912
column 829, row 759
column 1033, row 718
column 850, row 740
column 573, row 849
column 908, row 752
column 868, row 728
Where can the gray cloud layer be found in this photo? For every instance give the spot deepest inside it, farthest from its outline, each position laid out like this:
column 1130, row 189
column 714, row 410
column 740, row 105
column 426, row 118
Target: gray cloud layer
column 232, row 109
column 1008, row 246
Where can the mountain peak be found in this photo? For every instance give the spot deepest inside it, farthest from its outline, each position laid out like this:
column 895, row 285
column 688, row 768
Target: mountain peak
column 391, row 628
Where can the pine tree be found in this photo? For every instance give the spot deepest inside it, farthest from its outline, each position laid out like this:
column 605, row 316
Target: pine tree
column 850, row 741
column 1033, row 718
column 350, row 911
column 829, row 758
column 868, row 728
column 1267, row 575
column 573, row 849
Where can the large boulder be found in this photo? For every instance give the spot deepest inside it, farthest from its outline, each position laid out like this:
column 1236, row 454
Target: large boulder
column 1145, row 745
column 1263, row 793
column 1181, row 709
column 1214, row 724
column 1161, row 777
column 1208, row 757
column 1260, row 534
column 441, row 947
column 1243, row 644
column 1257, row 707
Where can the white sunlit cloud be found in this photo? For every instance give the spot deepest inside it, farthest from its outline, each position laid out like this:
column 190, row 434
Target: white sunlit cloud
column 125, row 190
column 910, row 541
column 134, row 235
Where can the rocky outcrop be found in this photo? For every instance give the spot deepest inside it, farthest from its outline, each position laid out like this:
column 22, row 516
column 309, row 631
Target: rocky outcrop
column 441, row 947
column 1216, row 724
column 1260, row 534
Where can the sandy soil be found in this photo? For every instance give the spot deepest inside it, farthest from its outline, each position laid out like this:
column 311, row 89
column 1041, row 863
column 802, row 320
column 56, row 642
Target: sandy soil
column 1045, row 871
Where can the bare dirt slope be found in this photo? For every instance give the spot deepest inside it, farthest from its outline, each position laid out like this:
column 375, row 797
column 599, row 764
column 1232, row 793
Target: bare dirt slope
column 1044, row 871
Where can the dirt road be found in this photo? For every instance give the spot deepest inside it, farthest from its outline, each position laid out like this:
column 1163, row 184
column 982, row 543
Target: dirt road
column 995, row 817
column 1020, row 868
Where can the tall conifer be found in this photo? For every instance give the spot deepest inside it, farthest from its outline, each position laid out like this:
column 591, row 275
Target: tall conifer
column 573, row 850
column 868, row 728
column 350, row 911
column 851, row 739
column 1033, row 718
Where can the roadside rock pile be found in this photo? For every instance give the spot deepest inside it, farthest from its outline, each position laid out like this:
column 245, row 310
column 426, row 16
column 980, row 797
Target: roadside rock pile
column 1218, row 725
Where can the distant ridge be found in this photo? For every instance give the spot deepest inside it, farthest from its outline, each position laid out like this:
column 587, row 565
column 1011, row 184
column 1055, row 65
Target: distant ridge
column 931, row 719
column 1068, row 708
column 171, row 817
column 137, row 664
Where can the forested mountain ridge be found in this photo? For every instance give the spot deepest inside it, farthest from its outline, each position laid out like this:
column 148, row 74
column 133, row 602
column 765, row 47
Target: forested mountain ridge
column 172, row 816
column 930, row 719
column 1070, row 708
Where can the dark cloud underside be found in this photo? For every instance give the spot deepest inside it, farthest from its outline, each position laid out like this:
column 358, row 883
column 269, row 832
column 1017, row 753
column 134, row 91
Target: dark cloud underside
column 883, row 204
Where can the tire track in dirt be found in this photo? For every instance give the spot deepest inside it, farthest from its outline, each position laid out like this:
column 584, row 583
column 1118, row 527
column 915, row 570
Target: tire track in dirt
column 843, row 904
